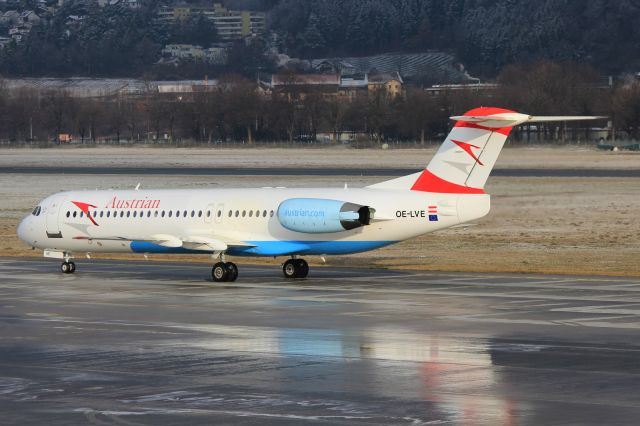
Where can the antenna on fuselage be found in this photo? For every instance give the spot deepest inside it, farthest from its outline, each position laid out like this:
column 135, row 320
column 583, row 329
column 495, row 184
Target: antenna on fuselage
column 138, row 186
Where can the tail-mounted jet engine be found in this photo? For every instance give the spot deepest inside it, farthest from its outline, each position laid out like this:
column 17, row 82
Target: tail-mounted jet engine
column 317, row 216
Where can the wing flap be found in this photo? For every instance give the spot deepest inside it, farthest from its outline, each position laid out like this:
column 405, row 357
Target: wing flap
column 191, row 242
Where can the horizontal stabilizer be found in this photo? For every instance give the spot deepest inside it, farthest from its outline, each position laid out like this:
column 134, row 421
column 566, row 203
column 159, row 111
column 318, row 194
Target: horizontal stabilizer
column 510, row 119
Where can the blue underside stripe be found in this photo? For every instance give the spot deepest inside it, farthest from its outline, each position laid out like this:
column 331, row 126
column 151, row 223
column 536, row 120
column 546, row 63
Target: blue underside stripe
column 274, row 248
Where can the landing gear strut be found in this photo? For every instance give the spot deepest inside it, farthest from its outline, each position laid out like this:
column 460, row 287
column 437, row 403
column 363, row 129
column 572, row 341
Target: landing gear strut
column 295, row 268
column 68, row 267
column 224, row 272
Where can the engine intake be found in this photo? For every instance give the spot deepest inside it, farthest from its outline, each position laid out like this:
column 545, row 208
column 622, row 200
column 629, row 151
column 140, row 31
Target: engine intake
column 318, row 216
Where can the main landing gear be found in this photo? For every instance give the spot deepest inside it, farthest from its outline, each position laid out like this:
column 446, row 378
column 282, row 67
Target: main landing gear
column 224, row 272
column 68, row 267
column 295, row 268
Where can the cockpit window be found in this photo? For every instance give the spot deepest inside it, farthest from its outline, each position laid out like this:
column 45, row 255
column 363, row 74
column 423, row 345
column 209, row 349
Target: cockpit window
column 36, row 211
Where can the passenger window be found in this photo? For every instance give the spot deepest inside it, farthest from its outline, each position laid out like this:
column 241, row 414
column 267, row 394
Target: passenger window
column 199, row 213
column 244, row 213
column 68, row 214
column 237, row 213
column 81, row 214
column 220, row 213
column 264, row 213
column 193, row 213
column 170, row 213
column 250, row 213
column 209, row 213
column 74, row 214
column 108, row 213
column 122, row 213
column 230, row 213
column 135, row 213
column 155, row 214
column 128, row 213
column 271, row 213
column 162, row 214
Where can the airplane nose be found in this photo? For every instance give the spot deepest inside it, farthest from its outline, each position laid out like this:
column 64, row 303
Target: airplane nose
column 23, row 230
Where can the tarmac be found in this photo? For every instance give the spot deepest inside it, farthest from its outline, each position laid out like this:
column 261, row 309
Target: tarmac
column 160, row 343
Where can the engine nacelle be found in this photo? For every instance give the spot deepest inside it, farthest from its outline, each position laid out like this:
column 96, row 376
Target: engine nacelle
column 318, row 216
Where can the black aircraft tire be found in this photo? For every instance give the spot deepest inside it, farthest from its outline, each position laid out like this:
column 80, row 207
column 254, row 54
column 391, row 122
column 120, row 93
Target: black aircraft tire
column 220, row 272
column 302, row 268
column 232, row 271
column 289, row 269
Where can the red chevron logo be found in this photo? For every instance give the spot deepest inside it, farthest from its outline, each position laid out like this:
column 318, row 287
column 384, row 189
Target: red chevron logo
column 467, row 148
column 84, row 207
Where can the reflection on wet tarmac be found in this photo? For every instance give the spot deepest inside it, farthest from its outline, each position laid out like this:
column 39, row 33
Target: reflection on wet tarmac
column 456, row 375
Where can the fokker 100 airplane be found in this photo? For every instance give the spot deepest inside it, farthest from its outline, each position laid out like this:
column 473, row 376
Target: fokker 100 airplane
column 289, row 222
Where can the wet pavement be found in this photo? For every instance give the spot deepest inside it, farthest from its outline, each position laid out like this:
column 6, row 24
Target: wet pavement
column 159, row 343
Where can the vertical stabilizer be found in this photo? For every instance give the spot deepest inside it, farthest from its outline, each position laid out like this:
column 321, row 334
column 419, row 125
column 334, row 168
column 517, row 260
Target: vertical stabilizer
column 467, row 156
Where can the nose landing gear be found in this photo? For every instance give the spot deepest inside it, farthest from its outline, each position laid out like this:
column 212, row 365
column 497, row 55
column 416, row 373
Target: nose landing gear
column 67, row 267
column 295, row 268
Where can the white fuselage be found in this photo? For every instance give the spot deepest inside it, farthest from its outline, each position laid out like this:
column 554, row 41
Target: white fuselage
column 129, row 220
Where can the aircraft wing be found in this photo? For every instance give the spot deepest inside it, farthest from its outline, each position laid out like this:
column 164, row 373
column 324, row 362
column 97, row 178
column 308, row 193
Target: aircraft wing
column 191, row 242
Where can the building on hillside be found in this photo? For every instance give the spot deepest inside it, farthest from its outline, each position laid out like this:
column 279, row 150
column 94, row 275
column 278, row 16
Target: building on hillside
column 299, row 86
column 190, row 52
column 19, row 32
column 438, row 66
column 354, row 85
column 233, row 24
column 183, row 51
column 10, row 17
column 29, row 17
column 216, row 55
column 390, row 83
column 4, row 41
column 130, row 4
column 230, row 24
column 74, row 21
column 333, row 85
